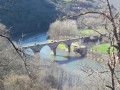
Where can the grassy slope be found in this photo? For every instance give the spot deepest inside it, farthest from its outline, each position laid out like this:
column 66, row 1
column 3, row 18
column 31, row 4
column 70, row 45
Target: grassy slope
column 90, row 32
column 102, row 48
column 86, row 31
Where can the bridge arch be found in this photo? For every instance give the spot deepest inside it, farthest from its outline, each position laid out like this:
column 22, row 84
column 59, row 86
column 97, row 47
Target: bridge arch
column 50, row 47
column 29, row 51
column 64, row 45
column 74, row 44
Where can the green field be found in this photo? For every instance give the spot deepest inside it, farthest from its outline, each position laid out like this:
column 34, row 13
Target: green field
column 91, row 32
column 102, row 48
column 86, row 31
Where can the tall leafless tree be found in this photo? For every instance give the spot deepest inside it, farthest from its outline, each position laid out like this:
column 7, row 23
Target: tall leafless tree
column 112, row 27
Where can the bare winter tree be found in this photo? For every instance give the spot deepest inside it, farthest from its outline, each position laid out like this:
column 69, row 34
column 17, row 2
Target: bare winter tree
column 7, row 45
column 90, row 21
column 112, row 27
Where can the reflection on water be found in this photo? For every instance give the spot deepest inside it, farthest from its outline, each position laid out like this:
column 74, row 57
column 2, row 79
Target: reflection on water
column 71, row 61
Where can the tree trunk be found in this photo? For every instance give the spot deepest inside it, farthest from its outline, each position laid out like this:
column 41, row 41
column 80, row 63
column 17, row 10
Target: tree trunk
column 112, row 78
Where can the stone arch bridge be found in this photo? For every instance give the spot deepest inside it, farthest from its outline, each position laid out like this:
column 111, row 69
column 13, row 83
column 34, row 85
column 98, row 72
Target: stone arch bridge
column 53, row 45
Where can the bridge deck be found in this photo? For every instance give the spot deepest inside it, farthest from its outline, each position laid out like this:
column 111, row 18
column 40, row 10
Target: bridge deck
column 45, row 43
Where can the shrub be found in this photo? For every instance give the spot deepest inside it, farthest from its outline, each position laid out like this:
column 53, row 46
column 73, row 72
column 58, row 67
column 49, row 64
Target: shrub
column 17, row 82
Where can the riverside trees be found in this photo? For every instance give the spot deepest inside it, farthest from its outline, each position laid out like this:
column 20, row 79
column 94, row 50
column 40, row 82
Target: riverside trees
column 63, row 29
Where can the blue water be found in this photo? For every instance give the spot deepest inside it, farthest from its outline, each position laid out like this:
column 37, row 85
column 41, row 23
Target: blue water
column 35, row 39
column 69, row 61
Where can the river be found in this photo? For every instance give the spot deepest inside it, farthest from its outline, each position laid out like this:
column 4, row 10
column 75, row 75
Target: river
column 70, row 61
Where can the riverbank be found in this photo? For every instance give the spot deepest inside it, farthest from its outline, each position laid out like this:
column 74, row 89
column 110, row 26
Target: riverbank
column 102, row 48
column 71, row 77
column 71, row 62
column 99, row 57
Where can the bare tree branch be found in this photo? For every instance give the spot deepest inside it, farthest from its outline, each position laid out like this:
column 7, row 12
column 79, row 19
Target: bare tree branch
column 7, row 10
column 89, row 12
column 19, row 53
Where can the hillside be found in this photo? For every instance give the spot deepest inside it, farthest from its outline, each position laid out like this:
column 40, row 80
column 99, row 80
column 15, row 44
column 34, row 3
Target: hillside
column 29, row 17
column 71, row 7
column 35, row 16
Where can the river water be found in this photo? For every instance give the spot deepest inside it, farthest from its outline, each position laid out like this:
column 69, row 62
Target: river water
column 70, row 61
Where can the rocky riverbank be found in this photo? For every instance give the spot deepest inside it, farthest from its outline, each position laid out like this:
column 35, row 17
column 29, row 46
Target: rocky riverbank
column 100, row 57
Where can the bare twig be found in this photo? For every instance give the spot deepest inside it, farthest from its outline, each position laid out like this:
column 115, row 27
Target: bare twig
column 89, row 12
column 7, row 10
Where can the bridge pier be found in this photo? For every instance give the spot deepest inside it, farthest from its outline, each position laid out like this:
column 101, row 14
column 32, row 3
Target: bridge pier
column 36, row 52
column 69, row 49
column 53, row 51
column 81, row 41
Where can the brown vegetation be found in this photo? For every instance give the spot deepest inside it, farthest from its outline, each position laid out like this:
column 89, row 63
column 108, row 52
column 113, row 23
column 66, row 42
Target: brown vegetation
column 63, row 29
